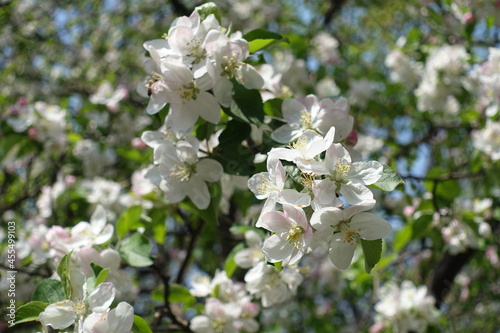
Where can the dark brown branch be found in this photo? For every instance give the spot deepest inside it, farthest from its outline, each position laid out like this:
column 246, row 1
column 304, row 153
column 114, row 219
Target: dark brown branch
column 180, row 9
column 335, row 7
column 192, row 242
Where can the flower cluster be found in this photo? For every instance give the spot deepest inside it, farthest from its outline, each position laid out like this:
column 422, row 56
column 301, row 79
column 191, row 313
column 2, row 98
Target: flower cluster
column 332, row 184
column 191, row 70
column 404, row 308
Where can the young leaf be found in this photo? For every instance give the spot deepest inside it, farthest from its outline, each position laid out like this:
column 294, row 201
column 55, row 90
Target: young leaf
column 209, row 8
column 249, row 102
column 180, row 294
column 140, row 325
column 103, row 275
column 63, row 272
column 372, row 250
column 230, row 265
column 389, row 181
column 49, row 291
column 29, row 311
column 259, row 39
column 136, row 250
column 128, row 221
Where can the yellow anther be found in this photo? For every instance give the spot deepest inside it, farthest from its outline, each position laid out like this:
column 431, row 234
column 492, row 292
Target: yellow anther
column 306, row 119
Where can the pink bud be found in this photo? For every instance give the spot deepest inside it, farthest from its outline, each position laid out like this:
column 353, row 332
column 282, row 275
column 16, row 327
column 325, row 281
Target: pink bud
column 32, row 133
column 377, row 327
column 69, row 180
column 13, row 111
column 137, row 143
column 22, row 101
column 468, row 17
column 352, row 138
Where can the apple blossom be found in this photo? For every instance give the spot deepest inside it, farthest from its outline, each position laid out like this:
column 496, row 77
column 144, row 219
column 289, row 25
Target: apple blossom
column 342, row 229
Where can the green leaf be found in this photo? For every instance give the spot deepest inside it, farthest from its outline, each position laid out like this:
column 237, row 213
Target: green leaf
column 230, row 265
column 389, row 181
column 136, row 250
column 63, row 272
column 211, row 214
column 372, row 250
column 403, row 237
column 249, row 102
column 102, row 276
column 272, row 108
column 130, row 220
column 235, row 132
column 140, row 325
column 421, row 226
column 278, row 265
column 96, row 268
column 259, row 39
column 180, row 294
column 49, row 291
column 30, row 311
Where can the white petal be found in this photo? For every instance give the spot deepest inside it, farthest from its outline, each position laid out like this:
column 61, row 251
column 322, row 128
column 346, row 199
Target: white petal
column 105, row 235
column 286, row 133
column 209, row 170
column 156, row 103
column 341, row 253
column 326, row 217
column 370, row 226
column 98, row 220
column 292, row 111
column 102, row 297
column 277, row 249
column 209, row 108
column 198, row 192
column 120, row 319
column 255, row 185
column 201, row 324
column 153, row 138
column 355, row 193
column 365, row 173
column 250, row 78
column 58, row 315
column 180, row 119
column 269, row 205
column 223, row 92
column 297, row 215
column 294, row 197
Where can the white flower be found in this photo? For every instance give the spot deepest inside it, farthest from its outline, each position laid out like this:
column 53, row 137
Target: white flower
column 179, row 173
column 252, row 255
column 271, row 285
column 188, row 98
column 292, row 235
column 343, row 176
column 94, row 233
column 343, row 228
column 270, row 186
column 406, row 308
column 307, row 146
column 309, row 113
column 487, row 140
column 118, row 320
column 219, row 318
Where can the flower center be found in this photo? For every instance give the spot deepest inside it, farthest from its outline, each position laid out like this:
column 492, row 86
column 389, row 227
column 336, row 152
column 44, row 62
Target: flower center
column 196, row 51
column 183, row 172
column 306, row 119
column 265, row 186
column 342, row 167
column 218, row 325
column 300, row 144
column 230, row 65
column 294, row 235
column 79, row 306
column 350, row 236
column 188, row 92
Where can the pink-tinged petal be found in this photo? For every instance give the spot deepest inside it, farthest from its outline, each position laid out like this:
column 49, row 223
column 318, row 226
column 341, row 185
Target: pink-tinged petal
column 250, row 78
column 277, row 249
column 223, row 92
column 365, row 173
column 292, row 111
column 279, row 174
column 58, row 315
column 215, row 308
column 209, row 108
column 334, row 153
column 286, row 133
column 177, row 75
column 310, row 102
column 297, row 215
column 293, row 197
column 316, row 143
column 204, row 82
column 166, row 154
column 153, row 176
column 209, row 170
column 360, row 207
column 180, row 37
column 341, row 253
column 325, row 193
column 276, row 222
column 102, row 297
column 269, row 206
column 325, row 218
column 98, row 220
column 355, row 193
column 175, row 191
column 370, row 226
column 198, row 192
